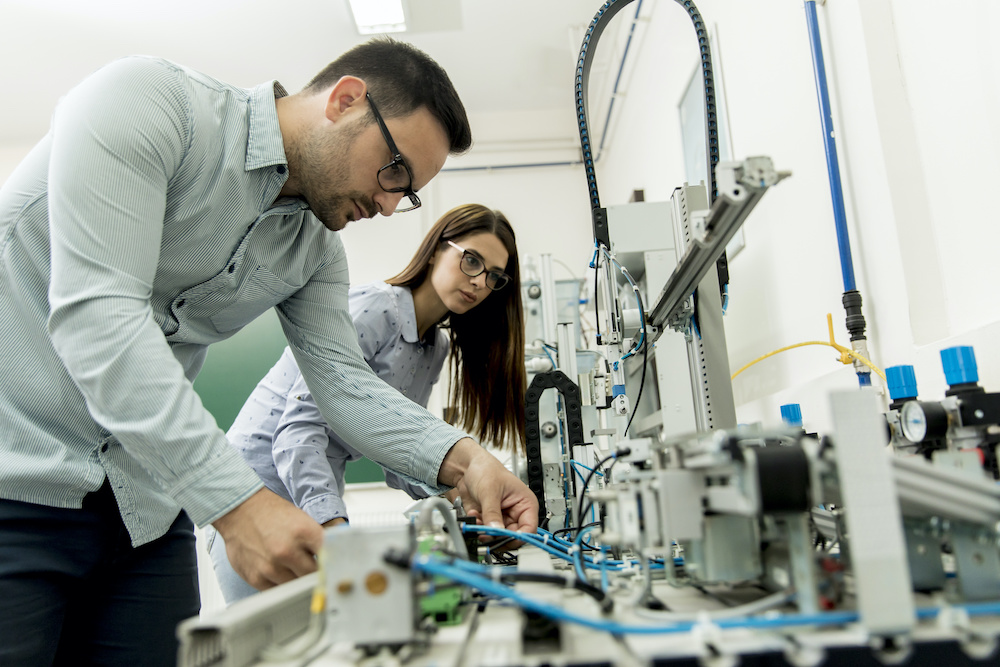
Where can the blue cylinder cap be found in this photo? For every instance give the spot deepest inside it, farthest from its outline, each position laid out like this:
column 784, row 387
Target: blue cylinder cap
column 902, row 382
column 959, row 365
column 791, row 414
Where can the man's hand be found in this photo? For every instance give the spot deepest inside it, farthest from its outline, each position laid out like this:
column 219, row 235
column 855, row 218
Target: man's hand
column 488, row 489
column 334, row 522
column 269, row 540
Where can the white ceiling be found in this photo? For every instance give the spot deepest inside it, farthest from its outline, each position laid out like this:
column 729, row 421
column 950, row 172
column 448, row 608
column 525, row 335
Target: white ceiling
column 514, row 57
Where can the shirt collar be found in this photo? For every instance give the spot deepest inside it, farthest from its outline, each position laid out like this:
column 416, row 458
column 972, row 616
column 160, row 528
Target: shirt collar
column 265, row 146
column 409, row 327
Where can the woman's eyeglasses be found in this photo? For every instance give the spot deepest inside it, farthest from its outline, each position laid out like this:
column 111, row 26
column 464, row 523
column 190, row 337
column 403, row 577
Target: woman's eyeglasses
column 473, row 265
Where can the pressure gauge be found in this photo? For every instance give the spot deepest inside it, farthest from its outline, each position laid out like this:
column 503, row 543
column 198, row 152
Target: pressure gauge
column 923, row 421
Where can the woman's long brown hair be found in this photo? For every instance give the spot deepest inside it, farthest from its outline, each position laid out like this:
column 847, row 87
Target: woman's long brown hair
column 487, row 343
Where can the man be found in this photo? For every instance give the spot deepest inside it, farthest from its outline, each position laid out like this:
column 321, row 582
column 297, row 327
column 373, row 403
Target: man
column 164, row 211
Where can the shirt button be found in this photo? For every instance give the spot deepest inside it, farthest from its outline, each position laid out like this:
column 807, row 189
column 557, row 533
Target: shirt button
column 280, row 169
column 104, row 448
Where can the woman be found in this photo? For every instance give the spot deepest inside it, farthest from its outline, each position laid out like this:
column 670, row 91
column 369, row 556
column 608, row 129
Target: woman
column 461, row 290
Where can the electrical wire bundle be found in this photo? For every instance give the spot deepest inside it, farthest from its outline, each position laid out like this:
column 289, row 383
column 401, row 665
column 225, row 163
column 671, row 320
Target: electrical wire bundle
column 760, row 614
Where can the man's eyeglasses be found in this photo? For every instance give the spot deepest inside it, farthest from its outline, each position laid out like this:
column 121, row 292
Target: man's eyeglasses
column 473, row 265
column 395, row 176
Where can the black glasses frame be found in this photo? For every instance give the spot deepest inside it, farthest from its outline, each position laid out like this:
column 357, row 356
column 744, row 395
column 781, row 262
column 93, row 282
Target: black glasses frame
column 495, row 276
column 397, row 160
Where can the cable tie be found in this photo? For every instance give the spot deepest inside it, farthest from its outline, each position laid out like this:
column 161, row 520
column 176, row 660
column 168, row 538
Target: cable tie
column 952, row 618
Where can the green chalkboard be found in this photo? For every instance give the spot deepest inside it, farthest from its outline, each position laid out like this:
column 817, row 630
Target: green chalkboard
column 234, row 367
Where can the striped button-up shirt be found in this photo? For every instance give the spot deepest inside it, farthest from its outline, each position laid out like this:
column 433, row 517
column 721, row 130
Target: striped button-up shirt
column 283, row 436
column 146, row 225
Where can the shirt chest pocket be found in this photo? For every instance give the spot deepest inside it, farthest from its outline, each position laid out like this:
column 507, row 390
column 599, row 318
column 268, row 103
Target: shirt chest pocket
column 265, row 269
column 252, row 293
column 227, row 302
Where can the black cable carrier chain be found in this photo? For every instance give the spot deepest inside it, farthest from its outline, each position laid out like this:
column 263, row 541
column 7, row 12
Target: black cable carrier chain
column 533, row 441
column 590, row 38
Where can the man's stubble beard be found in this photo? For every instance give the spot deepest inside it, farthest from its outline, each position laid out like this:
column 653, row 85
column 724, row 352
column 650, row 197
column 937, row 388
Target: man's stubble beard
column 320, row 165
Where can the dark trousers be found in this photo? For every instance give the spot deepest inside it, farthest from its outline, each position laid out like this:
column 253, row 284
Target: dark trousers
column 73, row 590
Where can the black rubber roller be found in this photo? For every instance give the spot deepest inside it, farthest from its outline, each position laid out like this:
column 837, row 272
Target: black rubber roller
column 783, row 473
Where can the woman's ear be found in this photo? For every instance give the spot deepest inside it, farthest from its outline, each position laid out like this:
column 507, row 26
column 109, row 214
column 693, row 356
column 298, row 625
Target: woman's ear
column 434, row 257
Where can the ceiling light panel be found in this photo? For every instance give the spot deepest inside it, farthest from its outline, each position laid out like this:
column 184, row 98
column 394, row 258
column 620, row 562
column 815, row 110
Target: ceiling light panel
column 378, row 16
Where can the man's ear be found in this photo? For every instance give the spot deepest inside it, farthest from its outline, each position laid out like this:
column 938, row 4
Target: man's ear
column 346, row 97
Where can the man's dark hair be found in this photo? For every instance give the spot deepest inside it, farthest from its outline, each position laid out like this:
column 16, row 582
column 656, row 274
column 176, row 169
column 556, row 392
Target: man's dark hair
column 401, row 78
